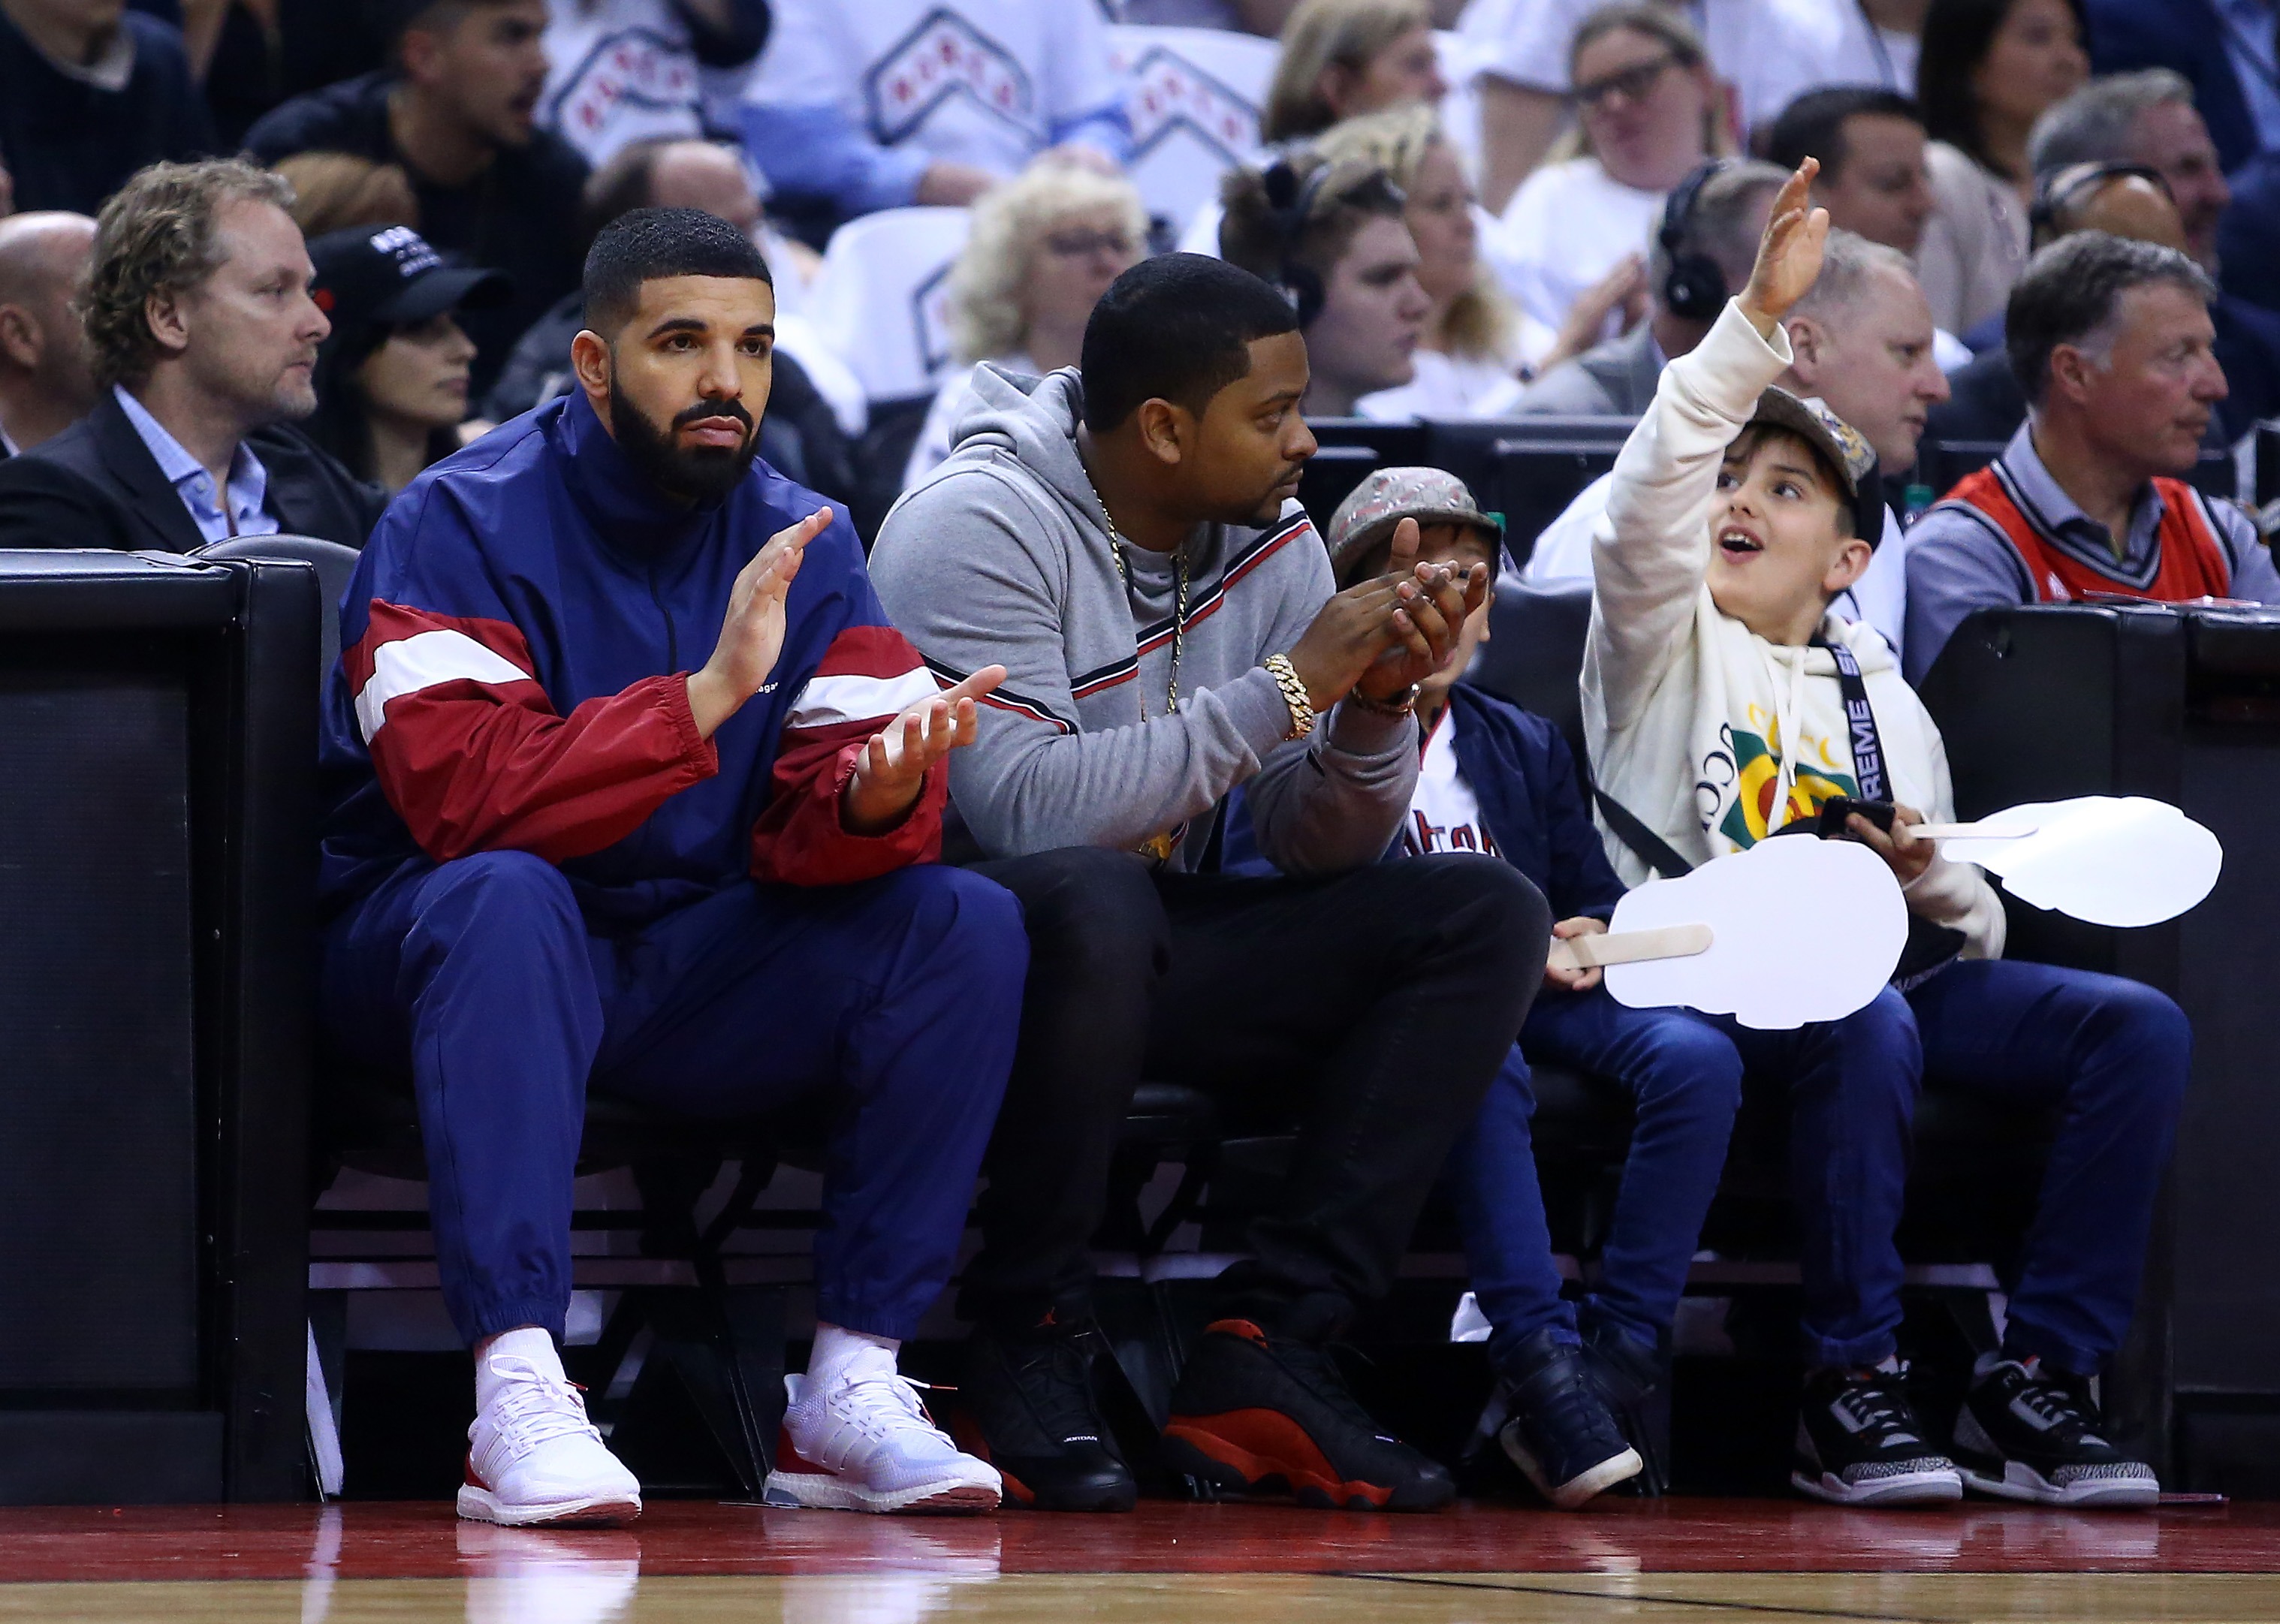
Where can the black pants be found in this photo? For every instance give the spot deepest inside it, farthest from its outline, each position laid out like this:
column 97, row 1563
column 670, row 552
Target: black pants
column 1369, row 1010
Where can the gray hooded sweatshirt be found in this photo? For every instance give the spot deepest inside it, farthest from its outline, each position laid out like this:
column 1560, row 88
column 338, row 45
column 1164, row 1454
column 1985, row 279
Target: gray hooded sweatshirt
column 1002, row 557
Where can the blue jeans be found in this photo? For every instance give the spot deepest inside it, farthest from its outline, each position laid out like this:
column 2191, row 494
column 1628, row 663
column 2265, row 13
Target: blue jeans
column 481, row 979
column 2111, row 1055
column 1685, row 1080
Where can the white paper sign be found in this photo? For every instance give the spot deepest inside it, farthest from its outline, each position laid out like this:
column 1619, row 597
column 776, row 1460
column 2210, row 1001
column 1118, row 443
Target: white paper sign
column 2121, row 860
column 1804, row 930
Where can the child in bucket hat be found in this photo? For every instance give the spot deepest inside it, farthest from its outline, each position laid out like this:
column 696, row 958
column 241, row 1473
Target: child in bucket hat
column 1582, row 1399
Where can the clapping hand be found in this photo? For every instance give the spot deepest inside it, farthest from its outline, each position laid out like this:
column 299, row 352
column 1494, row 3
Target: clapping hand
column 752, row 631
column 892, row 768
column 1427, row 611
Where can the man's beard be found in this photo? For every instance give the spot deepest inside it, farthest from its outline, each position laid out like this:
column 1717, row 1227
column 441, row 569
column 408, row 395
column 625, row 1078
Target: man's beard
column 686, row 473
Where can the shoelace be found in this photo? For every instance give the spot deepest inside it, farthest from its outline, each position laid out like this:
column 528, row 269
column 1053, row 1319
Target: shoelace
column 1056, row 1380
column 534, row 1406
column 883, row 1402
column 1879, row 1409
column 2054, row 1405
column 1568, row 1406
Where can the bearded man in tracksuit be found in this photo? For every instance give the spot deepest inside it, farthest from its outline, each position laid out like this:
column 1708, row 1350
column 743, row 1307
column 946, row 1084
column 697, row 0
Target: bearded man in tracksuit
column 564, row 847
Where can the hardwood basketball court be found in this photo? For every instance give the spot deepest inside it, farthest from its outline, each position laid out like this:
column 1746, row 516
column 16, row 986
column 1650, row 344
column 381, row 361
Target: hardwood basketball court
column 1676, row 1562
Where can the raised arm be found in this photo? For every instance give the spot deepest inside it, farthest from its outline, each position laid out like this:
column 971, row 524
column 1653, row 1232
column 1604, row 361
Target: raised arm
column 1651, row 546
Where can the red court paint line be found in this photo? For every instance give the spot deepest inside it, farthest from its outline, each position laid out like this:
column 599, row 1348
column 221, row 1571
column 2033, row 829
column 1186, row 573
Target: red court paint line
column 373, row 1541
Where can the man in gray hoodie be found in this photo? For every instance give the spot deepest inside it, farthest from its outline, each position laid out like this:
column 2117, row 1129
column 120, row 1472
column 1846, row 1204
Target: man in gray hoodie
column 1124, row 539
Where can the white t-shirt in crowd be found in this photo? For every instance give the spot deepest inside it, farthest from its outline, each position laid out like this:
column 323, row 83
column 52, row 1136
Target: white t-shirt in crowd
column 1447, row 388
column 1564, row 230
column 1771, row 51
column 1563, row 553
column 1445, row 815
column 618, row 72
column 983, row 82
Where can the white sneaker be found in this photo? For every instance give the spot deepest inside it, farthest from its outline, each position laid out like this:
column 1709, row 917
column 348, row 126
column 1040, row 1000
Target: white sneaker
column 866, row 1444
column 534, row 1456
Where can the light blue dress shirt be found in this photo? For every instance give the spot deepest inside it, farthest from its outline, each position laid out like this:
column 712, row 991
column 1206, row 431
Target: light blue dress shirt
column 249, row 480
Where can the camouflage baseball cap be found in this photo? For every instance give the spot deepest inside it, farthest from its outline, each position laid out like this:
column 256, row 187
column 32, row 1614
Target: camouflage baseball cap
column 1840, row 446
column 1429, row 496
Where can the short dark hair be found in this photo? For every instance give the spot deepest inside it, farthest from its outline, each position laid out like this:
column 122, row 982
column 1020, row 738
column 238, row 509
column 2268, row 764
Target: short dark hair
column 647, row 243
column 1813, row 126
column 1174, row 327
column 1957, row 35
column 2074, row 287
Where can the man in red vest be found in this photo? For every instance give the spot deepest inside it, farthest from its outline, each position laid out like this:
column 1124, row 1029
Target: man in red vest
column 2110, row 340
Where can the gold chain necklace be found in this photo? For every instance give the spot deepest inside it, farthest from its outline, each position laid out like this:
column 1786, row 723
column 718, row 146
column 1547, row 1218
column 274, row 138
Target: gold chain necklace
column 1116, row 546
column 1161, row 844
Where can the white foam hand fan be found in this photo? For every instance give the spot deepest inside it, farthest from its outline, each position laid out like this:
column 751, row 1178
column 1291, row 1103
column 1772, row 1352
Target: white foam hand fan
column 1788, row 932
column 2121, row 860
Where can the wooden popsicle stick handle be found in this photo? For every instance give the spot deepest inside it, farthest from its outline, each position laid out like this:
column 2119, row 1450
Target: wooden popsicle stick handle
column 1972, row 831
column 1630, row 947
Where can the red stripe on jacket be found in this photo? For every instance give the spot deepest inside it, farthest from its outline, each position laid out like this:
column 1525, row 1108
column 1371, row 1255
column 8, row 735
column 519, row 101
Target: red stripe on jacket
column 799, row 838
column 477, row 765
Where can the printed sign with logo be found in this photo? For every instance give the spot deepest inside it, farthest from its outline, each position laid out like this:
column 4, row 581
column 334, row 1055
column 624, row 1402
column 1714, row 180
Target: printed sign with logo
column 633, row 73
column 1169, row 94
column 945, row 56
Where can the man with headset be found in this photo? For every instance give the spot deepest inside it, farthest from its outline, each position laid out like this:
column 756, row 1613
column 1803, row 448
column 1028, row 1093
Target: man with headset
column 1702, row 251
column 1331, row 235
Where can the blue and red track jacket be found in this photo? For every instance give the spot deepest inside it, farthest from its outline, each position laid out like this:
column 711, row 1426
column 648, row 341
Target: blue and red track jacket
column 514, row 656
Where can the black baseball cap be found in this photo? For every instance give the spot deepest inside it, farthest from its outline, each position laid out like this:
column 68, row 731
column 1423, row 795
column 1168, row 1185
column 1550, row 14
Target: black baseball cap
column 391, row 277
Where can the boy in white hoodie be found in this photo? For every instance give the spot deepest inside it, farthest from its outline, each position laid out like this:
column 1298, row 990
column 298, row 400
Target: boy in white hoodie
column 1721, row 701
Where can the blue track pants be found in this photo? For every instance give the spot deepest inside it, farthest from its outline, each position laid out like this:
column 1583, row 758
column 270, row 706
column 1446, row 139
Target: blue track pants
column 904, row 993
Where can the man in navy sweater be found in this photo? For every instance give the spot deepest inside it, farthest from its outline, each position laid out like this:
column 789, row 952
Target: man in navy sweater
column 1500, row 780
column 564, row 846
column 89, row 93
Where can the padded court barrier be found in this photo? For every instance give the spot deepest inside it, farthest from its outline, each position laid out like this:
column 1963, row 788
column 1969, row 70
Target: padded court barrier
column 2042, row 701
column 157, row 867
column 1526, row 469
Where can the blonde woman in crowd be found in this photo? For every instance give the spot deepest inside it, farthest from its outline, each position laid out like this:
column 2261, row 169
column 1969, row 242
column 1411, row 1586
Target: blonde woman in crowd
column 1648, row 112
column 1341, row 59
column 1344, row 58
column 1478, row 349
column 1043, row 249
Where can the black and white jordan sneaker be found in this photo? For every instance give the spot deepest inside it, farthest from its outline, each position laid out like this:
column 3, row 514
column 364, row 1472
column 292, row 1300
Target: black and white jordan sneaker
column 2029, row 1433
column 1859, row 1442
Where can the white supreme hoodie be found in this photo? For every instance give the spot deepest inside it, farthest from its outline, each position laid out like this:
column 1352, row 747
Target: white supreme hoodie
column 1689, row 714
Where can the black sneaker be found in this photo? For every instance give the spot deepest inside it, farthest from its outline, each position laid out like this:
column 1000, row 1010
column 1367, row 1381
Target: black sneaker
column 1560, row 1433
column 1259, row 1414
column 2026, row 1433
column 1029, row 1412
column 1634, row 1382
column 1859, row 1443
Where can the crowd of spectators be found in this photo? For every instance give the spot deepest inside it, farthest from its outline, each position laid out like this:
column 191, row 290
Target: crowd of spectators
column 264, row 266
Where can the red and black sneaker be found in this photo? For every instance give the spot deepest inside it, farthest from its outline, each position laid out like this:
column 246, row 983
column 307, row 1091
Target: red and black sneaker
column 1261, row 1414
